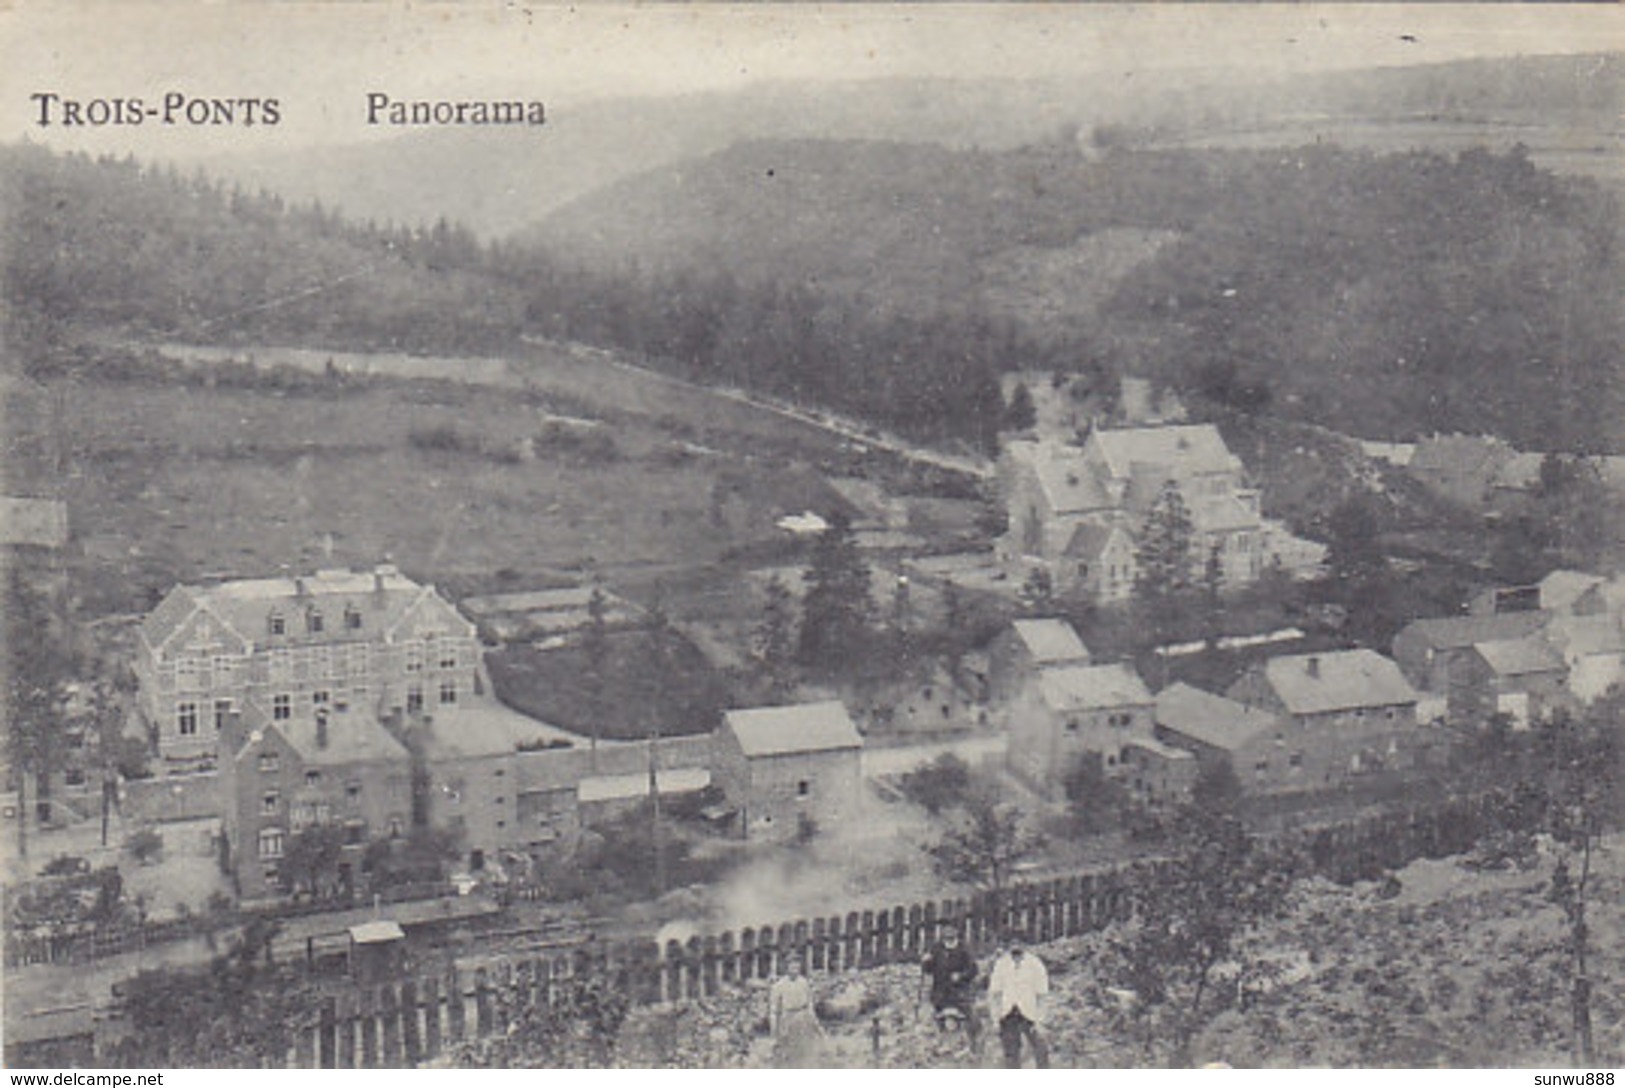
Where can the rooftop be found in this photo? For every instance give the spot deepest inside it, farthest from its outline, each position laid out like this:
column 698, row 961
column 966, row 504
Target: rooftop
column 1458, row 632
column 1209, row 718
column 1051, row 640
column 786, row 730
column 1340, row 680
column 1087, row 687
column 1519, row 656
column 379, row 597
column 487, row 728
column 1186, row 449
column 1561, row 588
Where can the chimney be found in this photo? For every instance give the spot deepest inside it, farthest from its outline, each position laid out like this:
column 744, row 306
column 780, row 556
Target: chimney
column 321, row 728
column 300, row 589
column 1312, row 667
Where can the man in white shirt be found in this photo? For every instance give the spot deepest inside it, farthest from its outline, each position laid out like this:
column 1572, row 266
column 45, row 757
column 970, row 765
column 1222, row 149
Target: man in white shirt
column 1015, row 993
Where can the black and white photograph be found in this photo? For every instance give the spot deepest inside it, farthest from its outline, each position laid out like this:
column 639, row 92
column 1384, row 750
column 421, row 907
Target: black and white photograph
column 923, row 536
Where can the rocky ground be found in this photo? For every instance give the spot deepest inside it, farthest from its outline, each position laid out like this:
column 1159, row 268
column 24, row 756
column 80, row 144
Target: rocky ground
column 1458, row 969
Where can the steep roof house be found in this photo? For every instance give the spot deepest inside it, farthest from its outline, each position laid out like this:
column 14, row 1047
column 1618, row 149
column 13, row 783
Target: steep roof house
column 1522, row 678
column 375, row 642
column 1070, row 712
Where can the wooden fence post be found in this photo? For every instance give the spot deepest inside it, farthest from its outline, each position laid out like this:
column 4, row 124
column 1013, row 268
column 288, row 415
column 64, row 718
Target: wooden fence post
column 431, row 1016
column 389, row 1000
column 327, row 1034
column 369, row 1030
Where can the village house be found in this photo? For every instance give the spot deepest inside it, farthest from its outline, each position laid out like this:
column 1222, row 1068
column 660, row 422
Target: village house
column 1076, row 511
column 1019, row 652
column 1460, row 468
column 371, row 643
column 1158, row 775
column 1344, row 714
column 1592, row 648
column 790, row 770
column 1249, row 741
column 472, row 778
column 1522, row 678
column 1072, row 712
column 1427, row 650
column 323, row 767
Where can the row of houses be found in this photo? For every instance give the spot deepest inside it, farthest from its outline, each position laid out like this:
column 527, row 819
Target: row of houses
column 358, row 701
column 1293, row 723
column 1520, row 651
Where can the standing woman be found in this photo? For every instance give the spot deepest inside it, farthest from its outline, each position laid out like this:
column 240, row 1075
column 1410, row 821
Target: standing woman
column 797, row 1035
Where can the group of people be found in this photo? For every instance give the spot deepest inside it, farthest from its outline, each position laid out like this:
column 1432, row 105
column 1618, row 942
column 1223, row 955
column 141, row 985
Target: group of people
column 1016, row 989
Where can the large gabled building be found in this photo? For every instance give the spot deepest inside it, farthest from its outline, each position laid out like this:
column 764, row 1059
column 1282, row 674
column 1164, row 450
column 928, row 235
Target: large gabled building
column 371, row 644
column 1076, row 512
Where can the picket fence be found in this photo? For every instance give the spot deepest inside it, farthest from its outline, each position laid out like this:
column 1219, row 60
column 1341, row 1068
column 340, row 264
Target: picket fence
column 408, row 1022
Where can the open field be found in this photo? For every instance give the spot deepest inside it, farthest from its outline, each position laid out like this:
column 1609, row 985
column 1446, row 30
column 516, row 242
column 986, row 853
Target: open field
column 171, row 479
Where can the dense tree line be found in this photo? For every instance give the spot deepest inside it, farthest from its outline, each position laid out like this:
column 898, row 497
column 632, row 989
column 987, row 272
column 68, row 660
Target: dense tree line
column 1390, row 295
column 110, row 243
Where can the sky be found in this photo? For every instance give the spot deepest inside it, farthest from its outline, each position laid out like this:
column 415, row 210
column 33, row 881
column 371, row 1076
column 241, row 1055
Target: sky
column 320, row 60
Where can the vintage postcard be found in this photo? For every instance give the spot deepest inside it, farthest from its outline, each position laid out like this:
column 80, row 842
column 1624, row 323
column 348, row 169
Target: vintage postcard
column 863, row 536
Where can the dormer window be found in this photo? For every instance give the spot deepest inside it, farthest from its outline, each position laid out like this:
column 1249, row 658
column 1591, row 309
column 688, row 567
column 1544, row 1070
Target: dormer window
column 277, row 624
column 313, row 621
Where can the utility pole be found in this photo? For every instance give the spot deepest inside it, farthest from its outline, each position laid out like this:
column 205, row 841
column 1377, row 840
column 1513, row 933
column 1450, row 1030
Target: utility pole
column 654, row 810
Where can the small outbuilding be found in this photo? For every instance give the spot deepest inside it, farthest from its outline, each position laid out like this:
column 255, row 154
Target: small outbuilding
column 790, row 770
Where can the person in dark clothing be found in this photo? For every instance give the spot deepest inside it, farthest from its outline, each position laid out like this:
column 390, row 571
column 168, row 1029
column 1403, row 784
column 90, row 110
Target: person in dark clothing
column 950, row 973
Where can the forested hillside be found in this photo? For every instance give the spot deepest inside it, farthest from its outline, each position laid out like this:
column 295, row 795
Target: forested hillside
column 1385, row 295
column 1390, row 295
column 114, row 244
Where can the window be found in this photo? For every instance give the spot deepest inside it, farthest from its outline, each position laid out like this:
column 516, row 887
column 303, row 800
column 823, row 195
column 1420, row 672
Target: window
column 313, row 621
column 222, row 711
column 1072, row 725
column 448, row 692
column 186, row 719
column 353, row 790
column 355, row 833
column 186, row 673
column 225, row 671
column 414, row 657
column 803, row 788
column 281, row 707
column 313, row 778
column 1262, row 766
column 321, row 697
column 414, row 700
column 448, row 656
column 352, row 619
column 277, row 624
column 270, row 763
column 1295, row 759
column 268, row 803
column 395, row 827
column 271, row 840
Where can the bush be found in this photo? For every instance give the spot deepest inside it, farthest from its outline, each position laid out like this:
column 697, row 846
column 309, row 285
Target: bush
column 939, row 785
column 145, row 846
